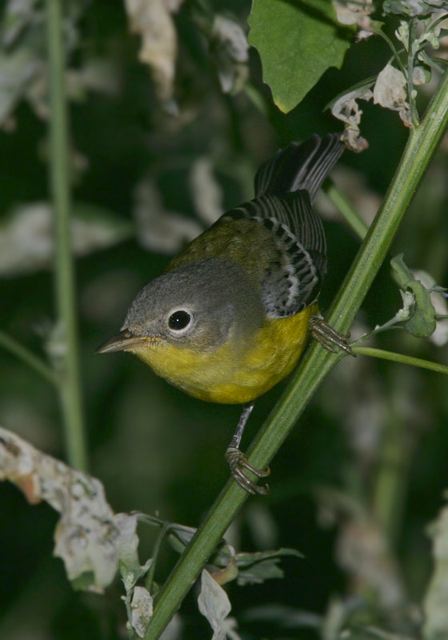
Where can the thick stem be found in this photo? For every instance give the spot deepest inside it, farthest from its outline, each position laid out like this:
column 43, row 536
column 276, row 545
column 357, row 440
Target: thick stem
column 317, row 362
column 69, row 377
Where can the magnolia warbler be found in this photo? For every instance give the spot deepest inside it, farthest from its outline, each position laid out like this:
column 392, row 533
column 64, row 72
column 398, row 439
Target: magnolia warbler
column 230, row 317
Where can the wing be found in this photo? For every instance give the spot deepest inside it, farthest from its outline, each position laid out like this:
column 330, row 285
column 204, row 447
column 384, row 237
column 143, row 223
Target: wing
column 292, row 277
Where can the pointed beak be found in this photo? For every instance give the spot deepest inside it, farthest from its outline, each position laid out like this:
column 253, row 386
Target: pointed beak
column 124, row 341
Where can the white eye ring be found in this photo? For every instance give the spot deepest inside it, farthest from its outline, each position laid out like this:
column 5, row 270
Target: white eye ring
column 179, row 321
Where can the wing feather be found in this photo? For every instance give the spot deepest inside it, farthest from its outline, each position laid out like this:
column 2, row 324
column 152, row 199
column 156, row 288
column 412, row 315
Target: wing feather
column 293, row 276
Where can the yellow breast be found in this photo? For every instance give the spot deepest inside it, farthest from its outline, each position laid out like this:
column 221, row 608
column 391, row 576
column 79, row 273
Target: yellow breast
column 234, row 373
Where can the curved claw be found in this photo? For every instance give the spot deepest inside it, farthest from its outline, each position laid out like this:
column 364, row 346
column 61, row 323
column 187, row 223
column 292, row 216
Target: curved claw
column 328, row 337
column 238, row 462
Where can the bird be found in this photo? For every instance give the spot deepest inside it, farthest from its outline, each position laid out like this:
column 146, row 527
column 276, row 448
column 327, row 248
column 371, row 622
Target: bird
column 231, row 315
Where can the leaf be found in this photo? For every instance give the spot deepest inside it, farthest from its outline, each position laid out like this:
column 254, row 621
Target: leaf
column 255, row 568
column 390, row 92
column 214, row 604
column 260, row 572
column 297, row 42
column 17, row 70
column 205, row 190
column 439, row 301
column 127, row 543
column 229, row 47
column 152, row 21
column 249, row 559
column 418, row 315
column 87, row 533
column 345, row 107
column 141, row 608
column 157, row 229
column 355, row 13
column 414, row 7
column 16, row 17
column 26, row 236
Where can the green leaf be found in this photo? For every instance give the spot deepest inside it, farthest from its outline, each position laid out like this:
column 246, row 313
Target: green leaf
column 298, row 40
column 248, row 559
column 257, row 567
column 421, row 321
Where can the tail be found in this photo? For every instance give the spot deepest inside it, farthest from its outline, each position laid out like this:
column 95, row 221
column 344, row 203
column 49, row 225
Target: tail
column 301, row 166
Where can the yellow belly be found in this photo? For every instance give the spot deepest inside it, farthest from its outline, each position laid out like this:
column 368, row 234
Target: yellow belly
column 234, row 374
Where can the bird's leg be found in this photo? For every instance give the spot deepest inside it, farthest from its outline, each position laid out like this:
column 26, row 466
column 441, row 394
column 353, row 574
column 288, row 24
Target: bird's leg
column 238, row 462
column 328, row 337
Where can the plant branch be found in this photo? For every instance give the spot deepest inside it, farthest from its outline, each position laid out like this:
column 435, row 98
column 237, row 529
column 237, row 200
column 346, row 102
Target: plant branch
column 317, row 362
column 68, row 365
column 402, row 358
column 28, row 357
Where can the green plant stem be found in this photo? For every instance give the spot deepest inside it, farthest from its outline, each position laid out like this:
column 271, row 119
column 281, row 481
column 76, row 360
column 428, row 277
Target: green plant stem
column 165, row 529
column 28, row 357
column 317, row 362
column 348, row 212
column 68, row 365
column 391, row 477
column 402, row 358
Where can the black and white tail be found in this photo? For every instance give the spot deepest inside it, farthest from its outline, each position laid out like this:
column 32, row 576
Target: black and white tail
column 300, row 166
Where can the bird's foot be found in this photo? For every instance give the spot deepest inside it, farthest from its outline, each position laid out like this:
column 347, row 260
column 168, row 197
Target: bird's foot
column 238, row 464
column 328, row 337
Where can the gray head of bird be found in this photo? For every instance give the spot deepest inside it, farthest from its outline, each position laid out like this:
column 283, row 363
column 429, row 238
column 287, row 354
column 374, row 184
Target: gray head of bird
column 199, row 306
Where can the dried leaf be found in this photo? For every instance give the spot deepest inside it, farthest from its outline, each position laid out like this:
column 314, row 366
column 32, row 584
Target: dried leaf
column 88, row 536
column 390, row 92
column 230, row 49
column 17, row 15
column 346, row 108
column 17, row 71
column 158, row 229
column 26, row 237
column 355, row 13
column 206, row 192
column 413, row 7
column 141, row 608
column 23, row 71
column 127, row 543
column 152, row 21
column 214, row 604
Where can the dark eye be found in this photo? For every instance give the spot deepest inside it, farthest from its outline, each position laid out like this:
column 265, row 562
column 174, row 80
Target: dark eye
column 179, row 320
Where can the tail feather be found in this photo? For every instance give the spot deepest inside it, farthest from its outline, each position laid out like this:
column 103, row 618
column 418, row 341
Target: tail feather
column 301, row 166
